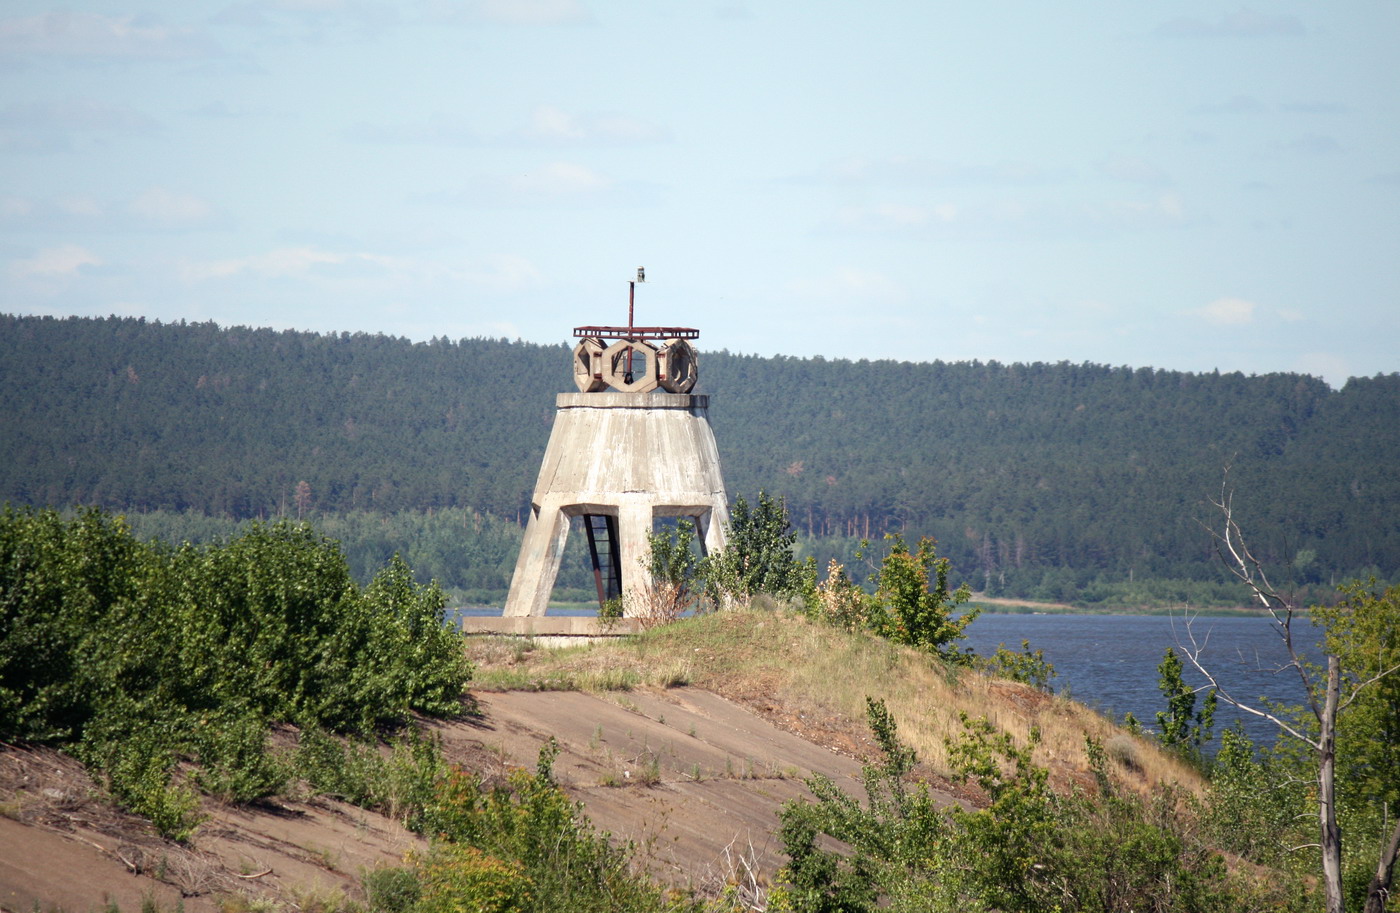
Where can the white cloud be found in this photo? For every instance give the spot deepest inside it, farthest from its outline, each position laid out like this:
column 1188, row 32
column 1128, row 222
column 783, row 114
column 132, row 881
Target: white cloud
column 898, row 216
column 167, row 208
column 903, row 170
column 78, row 206
column 1331, row 367
column 511, row 12
column 438, row 130
column 312, row 20
column 1315, row 107
column 15, row 208
column 1238, row 104
column 77, row 114
column 1227, row 312
column 56, row 126
column 95, row 36
column 561, row 179
column 1020, row 217
column 1313, row 144
column 849, row 283
column 154, row 209
column 554, row 184
column 54, row 262
column 1133, row 170
column 286, row 261
column 504, row 273
column 1243, row 23
column 550, row 124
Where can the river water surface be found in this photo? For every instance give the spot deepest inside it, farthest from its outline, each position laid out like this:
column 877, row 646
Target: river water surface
column 1109, row 662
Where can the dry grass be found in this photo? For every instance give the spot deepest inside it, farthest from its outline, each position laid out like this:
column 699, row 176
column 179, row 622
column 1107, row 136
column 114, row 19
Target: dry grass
column 817, row 672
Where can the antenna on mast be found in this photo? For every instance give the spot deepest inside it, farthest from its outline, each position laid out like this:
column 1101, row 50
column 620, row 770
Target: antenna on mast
column 664, row 357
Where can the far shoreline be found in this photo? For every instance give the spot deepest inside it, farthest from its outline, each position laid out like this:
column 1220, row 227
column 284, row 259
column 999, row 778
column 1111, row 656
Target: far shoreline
column 992, row 605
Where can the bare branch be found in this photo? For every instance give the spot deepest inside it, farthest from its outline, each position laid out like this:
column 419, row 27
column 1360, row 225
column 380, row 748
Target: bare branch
column 1234, row 552
column 1193, row 654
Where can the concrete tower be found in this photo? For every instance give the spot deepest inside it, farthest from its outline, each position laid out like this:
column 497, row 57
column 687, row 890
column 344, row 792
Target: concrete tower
column 632, row 445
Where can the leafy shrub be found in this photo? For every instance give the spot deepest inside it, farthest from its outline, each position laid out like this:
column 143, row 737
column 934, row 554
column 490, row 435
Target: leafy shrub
column 529, row 821
column 400, row 784
column 913, row 603
column 1028, row 667
column 840, row 601
column 201, row 649
column 392, row 890
column 139, row 773
column 456, row 877
column 1251, row 808
column 1028, row 849
column 1184, row 729
column 58, row 579
column 758, row 556
column 235, row 763
column 919, row 611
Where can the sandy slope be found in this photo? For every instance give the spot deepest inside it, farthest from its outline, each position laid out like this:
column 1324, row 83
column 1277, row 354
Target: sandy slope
column 693, row 779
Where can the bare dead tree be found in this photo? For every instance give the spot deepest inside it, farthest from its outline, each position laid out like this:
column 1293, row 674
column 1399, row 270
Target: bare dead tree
column 1325, row 701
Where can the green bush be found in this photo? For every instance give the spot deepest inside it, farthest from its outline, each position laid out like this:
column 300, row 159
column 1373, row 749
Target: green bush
column 139, row 771
column 392, row 890
column 235, row 763
column 913, row 602
column 1029, row 848
column 1029, row 667
column 200, row 649
column 528, row 821
column 456, row 878
column 758, row 557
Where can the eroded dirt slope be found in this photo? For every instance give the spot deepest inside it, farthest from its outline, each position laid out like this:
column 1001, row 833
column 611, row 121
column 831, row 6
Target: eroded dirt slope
column 693, row 779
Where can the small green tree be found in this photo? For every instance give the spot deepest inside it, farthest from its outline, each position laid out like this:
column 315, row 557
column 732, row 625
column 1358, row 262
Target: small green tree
column 677, row 573
column 914, row 604
column 758, row 555
column 1183, row 728
column 1030, row 667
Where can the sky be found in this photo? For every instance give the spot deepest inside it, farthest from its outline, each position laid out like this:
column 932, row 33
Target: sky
column 1188, row 185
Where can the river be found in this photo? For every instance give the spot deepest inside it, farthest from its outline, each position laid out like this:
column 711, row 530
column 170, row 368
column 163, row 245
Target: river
column 1109, row 662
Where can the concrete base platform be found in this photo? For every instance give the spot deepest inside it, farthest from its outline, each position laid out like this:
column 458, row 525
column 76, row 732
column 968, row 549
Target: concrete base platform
column 551, row 631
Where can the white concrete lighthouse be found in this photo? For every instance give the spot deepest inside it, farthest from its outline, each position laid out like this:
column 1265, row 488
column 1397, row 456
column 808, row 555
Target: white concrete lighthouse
column 632, row 446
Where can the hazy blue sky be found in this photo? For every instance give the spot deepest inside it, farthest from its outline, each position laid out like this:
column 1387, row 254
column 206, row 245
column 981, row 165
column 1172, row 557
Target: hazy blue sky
column 1182, row 185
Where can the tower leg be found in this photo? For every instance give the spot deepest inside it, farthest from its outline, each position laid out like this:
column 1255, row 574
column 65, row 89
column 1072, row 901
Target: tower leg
column 538, row 564
column 634, row 522
column 711, row 527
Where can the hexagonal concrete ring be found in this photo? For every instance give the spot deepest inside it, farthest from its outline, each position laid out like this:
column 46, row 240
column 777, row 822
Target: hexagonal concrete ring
column 677, row 366
column 616, row 362
column 588, row 365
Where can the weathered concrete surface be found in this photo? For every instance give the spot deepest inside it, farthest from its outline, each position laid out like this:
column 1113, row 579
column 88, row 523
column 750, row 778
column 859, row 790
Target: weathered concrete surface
column 552, row 626
column 632, row 456
column 551, row 631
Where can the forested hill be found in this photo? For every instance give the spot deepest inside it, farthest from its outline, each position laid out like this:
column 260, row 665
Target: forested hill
column 1010, row 466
